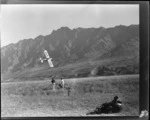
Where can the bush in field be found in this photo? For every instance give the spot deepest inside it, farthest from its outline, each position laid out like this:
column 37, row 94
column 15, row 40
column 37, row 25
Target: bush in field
column 102, row 71
column 115, row 70
column 94, row 71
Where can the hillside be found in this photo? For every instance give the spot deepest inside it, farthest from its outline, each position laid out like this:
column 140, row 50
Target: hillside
column 78, row 48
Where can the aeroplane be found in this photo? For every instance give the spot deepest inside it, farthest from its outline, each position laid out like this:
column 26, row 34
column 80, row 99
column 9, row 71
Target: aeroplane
column 47, row 59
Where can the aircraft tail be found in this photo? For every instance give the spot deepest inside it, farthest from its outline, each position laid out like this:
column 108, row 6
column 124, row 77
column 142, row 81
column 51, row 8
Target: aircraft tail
column 41, row 60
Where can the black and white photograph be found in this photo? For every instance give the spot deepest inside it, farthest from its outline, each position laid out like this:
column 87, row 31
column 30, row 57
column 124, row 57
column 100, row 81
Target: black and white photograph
column 70, row 60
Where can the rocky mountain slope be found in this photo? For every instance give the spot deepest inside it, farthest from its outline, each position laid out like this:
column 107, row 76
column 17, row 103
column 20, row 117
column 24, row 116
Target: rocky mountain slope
column 68, row 46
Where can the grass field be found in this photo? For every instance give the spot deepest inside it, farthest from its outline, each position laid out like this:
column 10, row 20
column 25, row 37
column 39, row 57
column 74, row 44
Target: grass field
column 36, row 98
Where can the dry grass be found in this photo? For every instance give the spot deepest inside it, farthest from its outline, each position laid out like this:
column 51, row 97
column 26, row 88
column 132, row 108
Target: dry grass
column 36, row 98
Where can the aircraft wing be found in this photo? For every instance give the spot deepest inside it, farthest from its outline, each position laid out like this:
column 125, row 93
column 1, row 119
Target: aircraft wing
column 50, row 63
column 46, row 54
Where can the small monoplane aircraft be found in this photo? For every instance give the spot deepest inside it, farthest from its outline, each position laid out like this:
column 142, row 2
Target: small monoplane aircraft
column 47, row 59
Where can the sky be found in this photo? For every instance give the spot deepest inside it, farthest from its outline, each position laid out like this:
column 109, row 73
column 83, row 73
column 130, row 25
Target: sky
column 24, row 21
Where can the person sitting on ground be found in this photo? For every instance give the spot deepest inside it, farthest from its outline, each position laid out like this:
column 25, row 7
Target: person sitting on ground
column 116, row 104
column 112, row 107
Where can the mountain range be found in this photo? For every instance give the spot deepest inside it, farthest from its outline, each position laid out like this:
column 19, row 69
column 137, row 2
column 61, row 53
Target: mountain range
column 70, row 46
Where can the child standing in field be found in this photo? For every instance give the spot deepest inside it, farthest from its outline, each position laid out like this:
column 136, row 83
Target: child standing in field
column 53, row 83
column 62, row 83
